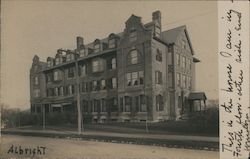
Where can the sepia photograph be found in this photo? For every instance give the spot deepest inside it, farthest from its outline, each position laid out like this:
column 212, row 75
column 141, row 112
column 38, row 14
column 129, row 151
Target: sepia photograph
column 109, row 80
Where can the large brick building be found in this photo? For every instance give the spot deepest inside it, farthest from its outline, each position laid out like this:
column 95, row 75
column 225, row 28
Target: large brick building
column 142, row 73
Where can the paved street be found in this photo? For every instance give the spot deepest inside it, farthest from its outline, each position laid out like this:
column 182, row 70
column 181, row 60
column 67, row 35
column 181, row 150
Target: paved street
column 74, row 148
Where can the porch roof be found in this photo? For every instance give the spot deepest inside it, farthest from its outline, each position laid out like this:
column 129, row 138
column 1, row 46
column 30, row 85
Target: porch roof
column 197, row 96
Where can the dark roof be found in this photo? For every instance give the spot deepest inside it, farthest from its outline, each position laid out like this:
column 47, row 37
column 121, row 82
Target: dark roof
column 170, row 36
column 197, row 96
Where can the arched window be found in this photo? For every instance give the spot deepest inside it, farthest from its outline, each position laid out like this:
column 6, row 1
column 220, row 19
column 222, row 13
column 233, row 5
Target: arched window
column 133, row 57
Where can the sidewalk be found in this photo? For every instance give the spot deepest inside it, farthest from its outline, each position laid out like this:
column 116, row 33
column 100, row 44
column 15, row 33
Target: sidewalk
column 184, row 141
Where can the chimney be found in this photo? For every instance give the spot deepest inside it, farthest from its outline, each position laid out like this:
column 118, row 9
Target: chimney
column 156, row 17
column 79, row 42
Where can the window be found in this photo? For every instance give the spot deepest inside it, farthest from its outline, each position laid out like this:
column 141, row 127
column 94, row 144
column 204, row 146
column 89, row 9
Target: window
column 159, row 103
column 94, row 86
column 135, row 78
column 143, row 106
column 114, row 83
column 133, row 35
column 97, row 48
column 36, row 80
column 68, row 57
column 97, row 65
column 178, row 76
column 141, row 77
column 178, row 62
column 61, row 92
column 103, row 84
column 71, row 72
column 84, row 87
column 133, row 57
column 49, row 77
column 57, row 75
column 37, row 93
column 128, row 102
column 103, row 105
column 56, row 91
column 50, row 63
column 114, row 105
column 188, row 82
column 58, row 60
column 83, row 70
column 112, row 43
column 183, row 61
column 183, row 81
column 71, row 89
column 158, row 55
column 129, row 79
column 158, row 77
column 113, row 63
column 189, row 64
column 82, row 52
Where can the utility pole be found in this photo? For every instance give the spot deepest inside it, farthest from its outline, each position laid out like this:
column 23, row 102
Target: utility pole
column 78, row 99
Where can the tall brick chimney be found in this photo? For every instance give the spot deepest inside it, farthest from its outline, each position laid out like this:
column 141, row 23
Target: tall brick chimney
column 156, row 17
column 79, row 42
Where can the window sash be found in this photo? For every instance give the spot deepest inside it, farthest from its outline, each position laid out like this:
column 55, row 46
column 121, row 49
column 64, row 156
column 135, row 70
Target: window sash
column 113, row 63
column 114, row 83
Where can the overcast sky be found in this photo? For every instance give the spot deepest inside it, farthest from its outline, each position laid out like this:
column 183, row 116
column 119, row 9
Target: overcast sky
column 41, row 27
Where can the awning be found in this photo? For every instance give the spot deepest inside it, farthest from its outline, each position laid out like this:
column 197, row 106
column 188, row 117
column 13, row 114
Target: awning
column 197, row 96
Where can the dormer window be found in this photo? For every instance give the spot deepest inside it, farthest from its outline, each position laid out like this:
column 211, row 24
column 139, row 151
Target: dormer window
column 58, row 60
column 97, row 48
column 112, row 43
column 82, row 53
column 133, row 35
column 50, row 62
column 70, row 57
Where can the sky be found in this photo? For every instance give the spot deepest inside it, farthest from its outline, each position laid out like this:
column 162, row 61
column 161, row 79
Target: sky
column 31, row 28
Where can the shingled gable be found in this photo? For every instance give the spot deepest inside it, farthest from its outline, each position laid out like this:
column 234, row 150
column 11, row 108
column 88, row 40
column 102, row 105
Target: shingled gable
column 170, row 36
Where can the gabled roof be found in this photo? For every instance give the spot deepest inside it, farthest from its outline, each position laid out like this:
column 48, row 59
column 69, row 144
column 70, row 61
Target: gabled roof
column 170, row 36
column 197, row 96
